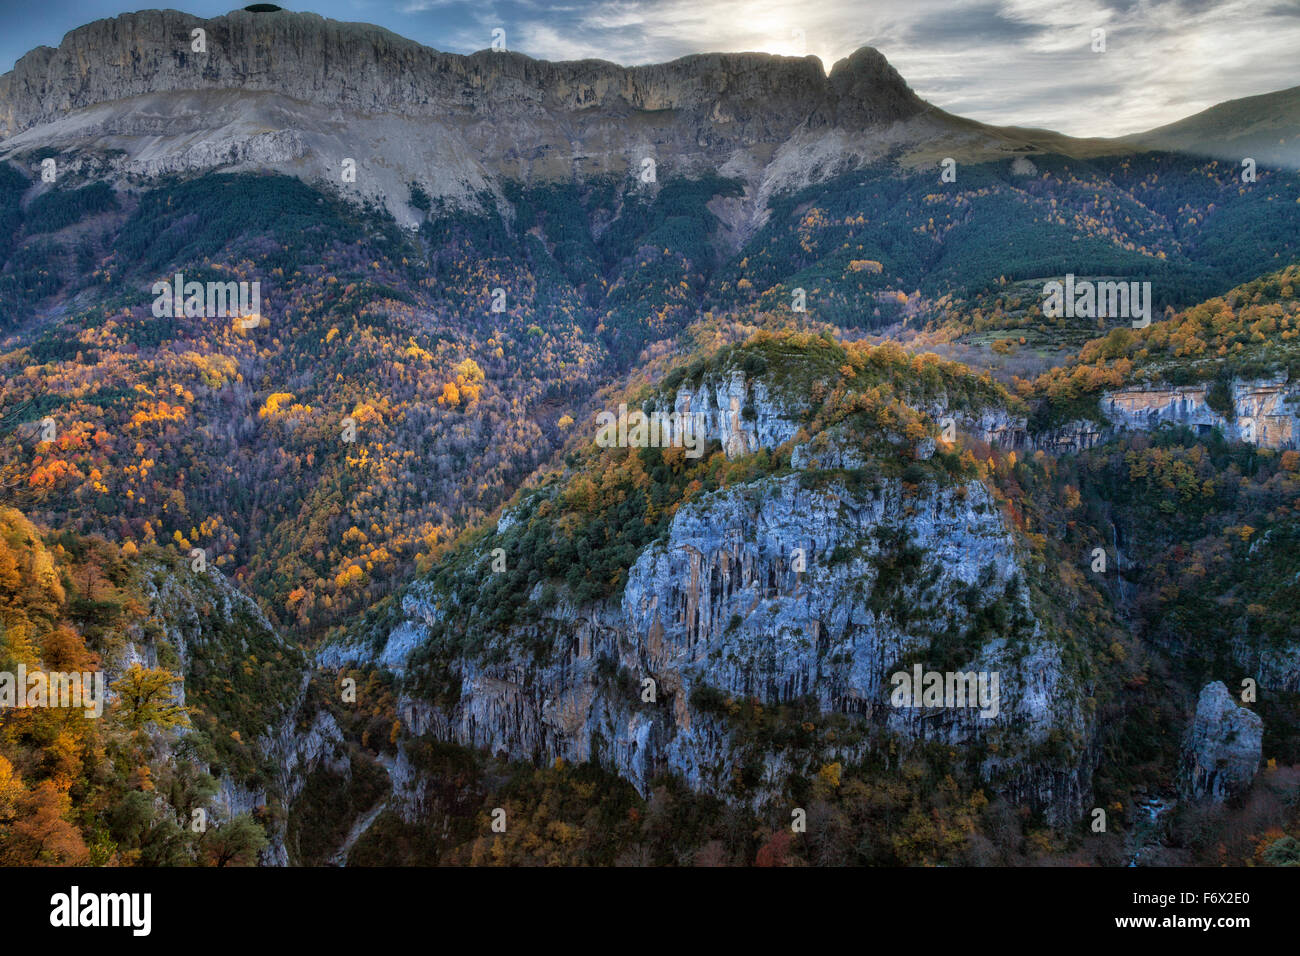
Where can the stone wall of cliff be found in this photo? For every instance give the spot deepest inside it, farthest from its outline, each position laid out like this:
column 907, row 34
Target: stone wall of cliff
column 780, row 589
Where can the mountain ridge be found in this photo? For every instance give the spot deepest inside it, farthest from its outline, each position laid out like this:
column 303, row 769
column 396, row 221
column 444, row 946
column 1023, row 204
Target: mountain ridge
column 1252, row 123
column 317, row 99
column 457, row 125
column 643, row 87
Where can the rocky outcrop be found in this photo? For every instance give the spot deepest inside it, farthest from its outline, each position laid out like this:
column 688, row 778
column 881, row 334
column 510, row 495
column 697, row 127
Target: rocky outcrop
column 1072, row 437
column 294, row 752
column 1277, row 666
column 793, row 587
column 774, row 591
column 740, row 413
column 1265, row 411
column 1222, row 750
column 200, row 615
column 1000, row 429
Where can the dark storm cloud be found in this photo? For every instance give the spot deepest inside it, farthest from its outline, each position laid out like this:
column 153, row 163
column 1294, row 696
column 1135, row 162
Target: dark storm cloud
column 978, row 23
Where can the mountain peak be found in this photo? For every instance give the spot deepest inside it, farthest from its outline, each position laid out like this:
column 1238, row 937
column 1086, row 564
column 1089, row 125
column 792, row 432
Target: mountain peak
column 866, row 89
column 302, row 55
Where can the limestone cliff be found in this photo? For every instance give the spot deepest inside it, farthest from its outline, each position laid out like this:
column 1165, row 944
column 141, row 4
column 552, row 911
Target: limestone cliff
column 357, row 66
column 1222, row 751
column 798, row 586
column 1263, row 411
column 299, row 93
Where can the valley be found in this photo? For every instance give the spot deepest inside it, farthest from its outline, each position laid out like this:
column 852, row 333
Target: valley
column 345, row 471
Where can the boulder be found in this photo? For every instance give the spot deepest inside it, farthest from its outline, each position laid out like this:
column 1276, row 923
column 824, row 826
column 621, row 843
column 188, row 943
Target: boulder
column 1222, row 751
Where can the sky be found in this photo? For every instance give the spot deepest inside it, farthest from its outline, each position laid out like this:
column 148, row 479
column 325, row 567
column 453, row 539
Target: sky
column 1008, row 62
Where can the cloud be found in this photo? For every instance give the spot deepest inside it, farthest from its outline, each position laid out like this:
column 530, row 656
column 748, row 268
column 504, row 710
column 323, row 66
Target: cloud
column 1021, row 62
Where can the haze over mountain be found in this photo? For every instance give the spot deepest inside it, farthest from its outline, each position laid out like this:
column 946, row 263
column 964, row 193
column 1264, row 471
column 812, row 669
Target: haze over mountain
column 1266, row 128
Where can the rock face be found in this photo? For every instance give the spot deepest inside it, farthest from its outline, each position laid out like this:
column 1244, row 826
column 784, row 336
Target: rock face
column 1222, row 752
column 195, row 614
column 1265, row 411
column 721, row 607
column 738, row 413
column 1001, row 429
column 299, row 93
column 790, row 587
column 354, row 66
column 1276, row 667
